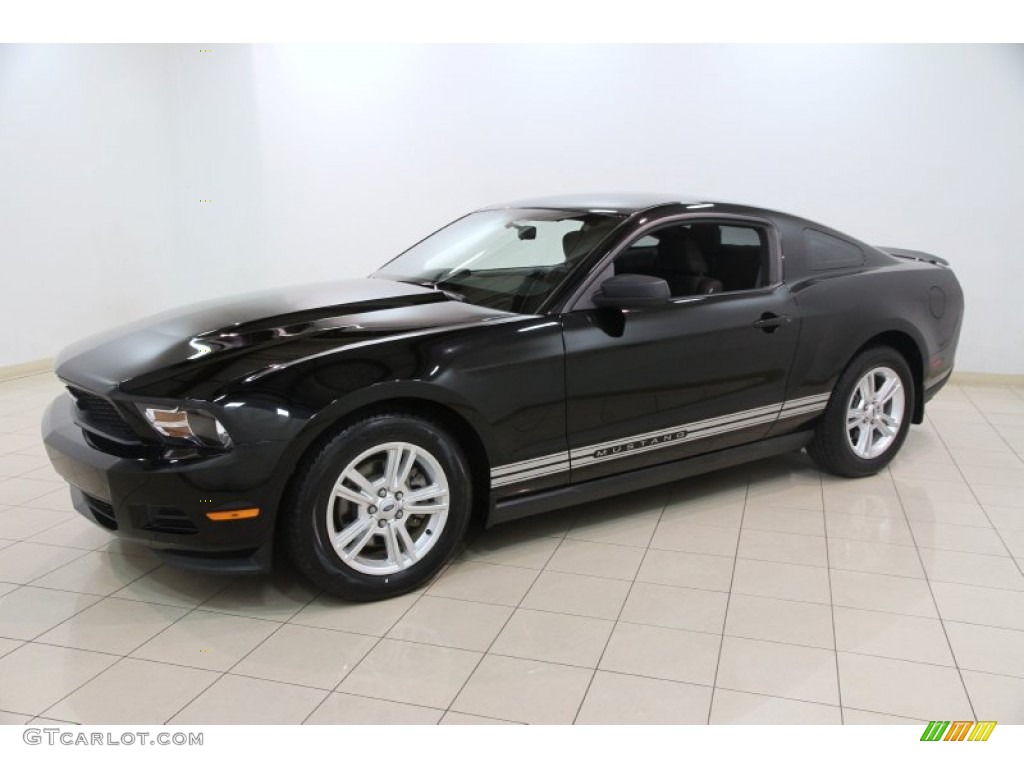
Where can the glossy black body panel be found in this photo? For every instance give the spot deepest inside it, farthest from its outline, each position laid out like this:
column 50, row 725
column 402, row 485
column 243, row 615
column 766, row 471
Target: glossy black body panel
column 649, row 370
column 571, row 397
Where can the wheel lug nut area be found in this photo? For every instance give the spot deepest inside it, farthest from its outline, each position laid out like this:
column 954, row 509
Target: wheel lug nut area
column 382, row 492
column 373, row 510
column 381, row 523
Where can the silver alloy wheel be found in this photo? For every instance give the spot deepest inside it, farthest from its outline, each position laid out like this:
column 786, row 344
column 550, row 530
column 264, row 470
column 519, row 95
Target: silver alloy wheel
column 875, row 412
column 387, row 508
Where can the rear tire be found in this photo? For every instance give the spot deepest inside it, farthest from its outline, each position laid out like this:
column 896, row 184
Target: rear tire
column 868, row 415
column 379, row 508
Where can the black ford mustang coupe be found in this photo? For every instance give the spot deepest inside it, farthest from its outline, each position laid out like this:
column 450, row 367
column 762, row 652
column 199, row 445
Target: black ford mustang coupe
column 523, row 358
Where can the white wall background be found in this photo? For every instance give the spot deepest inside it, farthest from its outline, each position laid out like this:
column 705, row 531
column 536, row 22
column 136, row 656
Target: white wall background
column 323, row 162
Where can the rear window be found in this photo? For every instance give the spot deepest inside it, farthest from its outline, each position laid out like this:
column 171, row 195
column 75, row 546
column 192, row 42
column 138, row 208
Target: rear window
column 828, row 252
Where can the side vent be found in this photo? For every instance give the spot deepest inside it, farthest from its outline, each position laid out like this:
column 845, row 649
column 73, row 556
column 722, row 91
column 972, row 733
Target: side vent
column 102, row 512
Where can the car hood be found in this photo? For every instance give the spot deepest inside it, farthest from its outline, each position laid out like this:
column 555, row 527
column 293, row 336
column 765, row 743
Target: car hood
column 259, row 331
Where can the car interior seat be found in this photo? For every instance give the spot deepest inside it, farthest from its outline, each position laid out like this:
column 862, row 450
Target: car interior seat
column 680, row 262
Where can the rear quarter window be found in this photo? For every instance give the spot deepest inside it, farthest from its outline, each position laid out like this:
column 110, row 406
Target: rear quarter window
column 828, row 252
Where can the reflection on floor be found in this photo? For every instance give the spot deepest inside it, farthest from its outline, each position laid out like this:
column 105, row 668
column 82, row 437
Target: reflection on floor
column 767, row 593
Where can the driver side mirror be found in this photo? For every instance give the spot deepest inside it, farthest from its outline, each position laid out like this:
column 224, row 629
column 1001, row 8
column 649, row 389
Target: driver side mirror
column 629, row 291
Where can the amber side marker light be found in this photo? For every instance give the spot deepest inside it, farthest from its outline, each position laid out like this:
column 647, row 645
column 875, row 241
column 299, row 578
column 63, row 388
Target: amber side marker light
column 234, row 514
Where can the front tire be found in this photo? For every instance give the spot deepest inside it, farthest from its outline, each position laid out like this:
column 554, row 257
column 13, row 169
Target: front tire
column 379, row 508
column 868, row 415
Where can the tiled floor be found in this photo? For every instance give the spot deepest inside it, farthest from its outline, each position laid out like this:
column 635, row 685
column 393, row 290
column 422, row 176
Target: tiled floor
column 765, row 594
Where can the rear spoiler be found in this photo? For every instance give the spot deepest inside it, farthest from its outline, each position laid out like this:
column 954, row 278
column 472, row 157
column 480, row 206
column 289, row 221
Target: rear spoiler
column 903, row 253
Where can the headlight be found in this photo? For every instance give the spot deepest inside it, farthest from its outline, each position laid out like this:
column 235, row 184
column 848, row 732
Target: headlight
column 193, row 426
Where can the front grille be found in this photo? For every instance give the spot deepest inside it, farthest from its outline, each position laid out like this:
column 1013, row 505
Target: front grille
column 101, row 414
column 102, row 512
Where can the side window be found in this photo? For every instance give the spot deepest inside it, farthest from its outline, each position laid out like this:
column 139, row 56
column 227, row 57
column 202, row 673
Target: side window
column 740, row 236
column 827, row 252
column 700, row 258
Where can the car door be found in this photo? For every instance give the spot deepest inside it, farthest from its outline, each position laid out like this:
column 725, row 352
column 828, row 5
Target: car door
column 699, row 373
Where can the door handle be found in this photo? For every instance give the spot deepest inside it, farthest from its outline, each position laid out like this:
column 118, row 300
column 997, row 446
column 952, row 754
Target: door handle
column 770, row 321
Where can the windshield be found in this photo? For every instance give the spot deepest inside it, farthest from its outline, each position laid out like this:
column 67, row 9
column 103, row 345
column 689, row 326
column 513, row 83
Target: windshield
column 509, row 259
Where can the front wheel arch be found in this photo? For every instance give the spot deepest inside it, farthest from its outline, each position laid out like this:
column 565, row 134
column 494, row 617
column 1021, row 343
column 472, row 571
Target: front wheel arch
column 448, row 418
column 307, row 543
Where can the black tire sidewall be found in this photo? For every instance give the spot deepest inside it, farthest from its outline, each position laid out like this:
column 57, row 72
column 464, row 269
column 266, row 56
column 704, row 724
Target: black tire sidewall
column 831, row 446
column 311, row 549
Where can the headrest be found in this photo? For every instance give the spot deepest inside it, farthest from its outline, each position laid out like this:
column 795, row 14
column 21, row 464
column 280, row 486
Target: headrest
column 569, row 242
column 579, row 243
column 677, row 252
column 708, row 237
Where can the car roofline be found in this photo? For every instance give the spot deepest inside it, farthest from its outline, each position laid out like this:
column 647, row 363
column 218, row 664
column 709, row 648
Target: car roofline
column 613, row 203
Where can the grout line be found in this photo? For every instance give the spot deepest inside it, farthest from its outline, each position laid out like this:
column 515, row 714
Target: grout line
column 188, row 612
column 832, row 609
column 370, row 650
column 975, row 495
column 728, row 600
column 487, row 651
column 942, row 623
column 618, row 615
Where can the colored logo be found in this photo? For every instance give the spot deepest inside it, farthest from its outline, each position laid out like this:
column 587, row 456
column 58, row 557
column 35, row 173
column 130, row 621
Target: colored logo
column 958, row 730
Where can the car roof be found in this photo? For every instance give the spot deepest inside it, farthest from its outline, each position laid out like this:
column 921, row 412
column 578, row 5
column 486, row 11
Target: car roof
column 606, row 202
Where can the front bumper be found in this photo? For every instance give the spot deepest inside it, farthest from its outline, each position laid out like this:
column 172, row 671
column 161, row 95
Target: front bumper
column 162, row 501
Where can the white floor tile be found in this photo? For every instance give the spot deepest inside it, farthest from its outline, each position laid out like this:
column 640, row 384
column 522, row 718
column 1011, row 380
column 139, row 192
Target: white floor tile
column 782, row 580
column 778, row 669
column 685, row 569
column 113, row 626
column 317, row 658
column 346, row 709
column 27, row 612
column 234, row 700
column 376, row 618
column 987, row 649
column 980, row 605
column 35, row 677
column 116, row 696
column 996, row 697
column 206, row 640
column 905, row 688
column 485, row 583
column 738, row 708
column 912, row 638
column 667, row 654
column 524, row 691
column 452, row 623
column 616, row 699
column 588, row 558
column 554, row 637
column 412, row 673
column 783, row 621
column 700, row 610
column 577, row 595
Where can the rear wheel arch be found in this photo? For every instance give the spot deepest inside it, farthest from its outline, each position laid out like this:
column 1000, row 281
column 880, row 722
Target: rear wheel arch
column 905, row 344
column 867, row 417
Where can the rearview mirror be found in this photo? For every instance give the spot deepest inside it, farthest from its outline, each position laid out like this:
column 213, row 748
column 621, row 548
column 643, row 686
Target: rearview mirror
column 627, row 291
column 523, row 231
